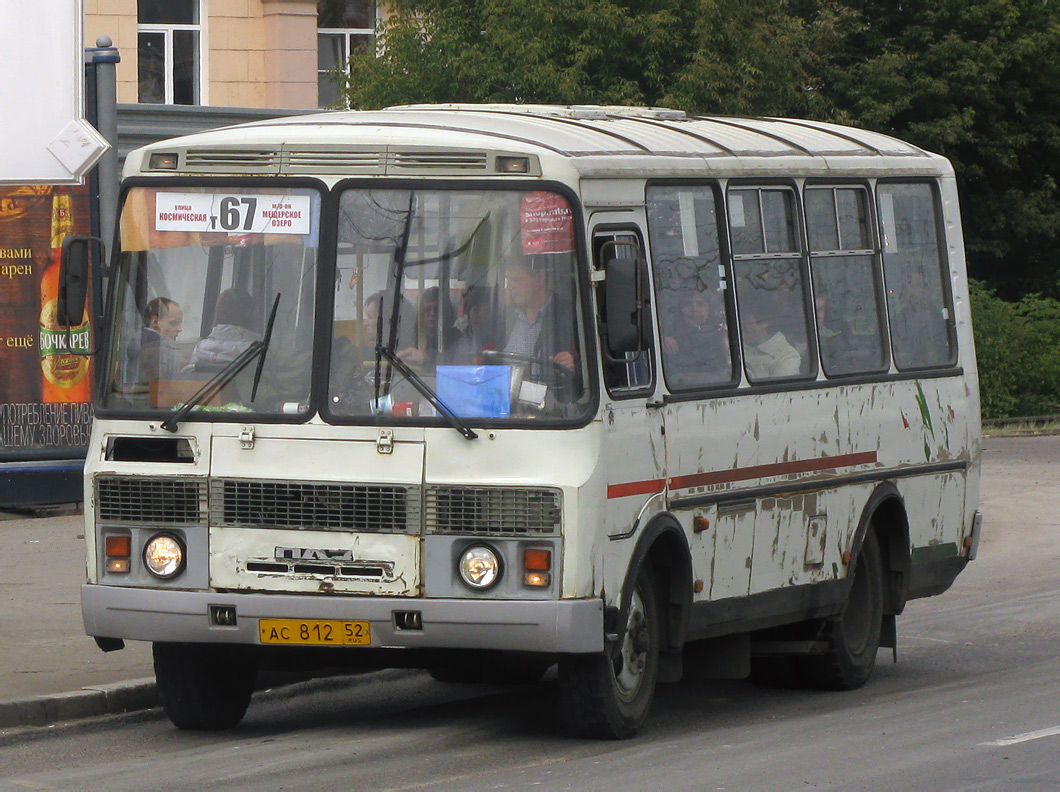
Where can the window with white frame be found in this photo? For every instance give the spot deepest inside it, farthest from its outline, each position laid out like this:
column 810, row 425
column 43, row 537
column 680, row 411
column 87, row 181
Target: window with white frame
column 169, row 51
column 343, row 27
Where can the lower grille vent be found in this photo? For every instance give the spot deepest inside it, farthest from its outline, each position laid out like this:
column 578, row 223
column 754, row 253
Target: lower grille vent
column 359, row 571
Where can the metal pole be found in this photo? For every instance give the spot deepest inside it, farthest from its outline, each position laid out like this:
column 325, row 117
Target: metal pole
column 105, row 57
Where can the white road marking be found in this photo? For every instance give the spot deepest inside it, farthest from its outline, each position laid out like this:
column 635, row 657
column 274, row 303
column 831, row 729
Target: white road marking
column 1052, row 731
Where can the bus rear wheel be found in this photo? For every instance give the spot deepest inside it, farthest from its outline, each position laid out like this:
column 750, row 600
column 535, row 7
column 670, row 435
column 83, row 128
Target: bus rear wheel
column 852, row 638
column 608, row 695
column 204, row 687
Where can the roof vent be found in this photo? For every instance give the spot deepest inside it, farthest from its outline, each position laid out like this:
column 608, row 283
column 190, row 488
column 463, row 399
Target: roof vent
column 232, row 161
column 440, row 160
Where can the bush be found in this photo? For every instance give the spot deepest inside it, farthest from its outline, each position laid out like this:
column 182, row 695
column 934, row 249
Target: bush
column 1018, row 350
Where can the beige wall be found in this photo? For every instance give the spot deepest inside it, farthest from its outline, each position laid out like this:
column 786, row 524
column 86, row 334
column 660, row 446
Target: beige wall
column 259, row 53
column 117, row 19
column 290, row 53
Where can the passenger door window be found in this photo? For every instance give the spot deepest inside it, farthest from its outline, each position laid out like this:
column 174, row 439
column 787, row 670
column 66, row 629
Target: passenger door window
column 633, row 372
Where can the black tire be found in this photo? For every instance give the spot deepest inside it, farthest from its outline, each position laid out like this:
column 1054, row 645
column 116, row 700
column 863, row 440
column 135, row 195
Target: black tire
column 608, row 695
column 204, row 687
column 852, row 637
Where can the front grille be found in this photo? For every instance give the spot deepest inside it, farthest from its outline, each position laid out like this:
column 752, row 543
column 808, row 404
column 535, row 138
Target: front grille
column 141, row 500
column 499, row 511
column 318, row 506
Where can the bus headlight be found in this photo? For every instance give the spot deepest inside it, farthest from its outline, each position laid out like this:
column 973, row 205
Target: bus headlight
column 164, row 556
column 480, row 567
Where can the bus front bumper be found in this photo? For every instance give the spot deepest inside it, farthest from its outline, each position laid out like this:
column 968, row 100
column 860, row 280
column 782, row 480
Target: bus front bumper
column 564, row 626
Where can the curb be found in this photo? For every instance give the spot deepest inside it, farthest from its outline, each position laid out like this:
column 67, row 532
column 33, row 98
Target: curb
column 123, row 697
column 88, row 702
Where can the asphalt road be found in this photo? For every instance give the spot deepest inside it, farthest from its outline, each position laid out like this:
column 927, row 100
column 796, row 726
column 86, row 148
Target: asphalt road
column 971, row 705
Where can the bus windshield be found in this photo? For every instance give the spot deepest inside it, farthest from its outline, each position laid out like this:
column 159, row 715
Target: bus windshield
column 456, row 303
column 448, row 304
column 200, row 271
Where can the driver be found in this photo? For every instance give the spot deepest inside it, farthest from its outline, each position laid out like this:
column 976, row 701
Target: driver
column 541, row 324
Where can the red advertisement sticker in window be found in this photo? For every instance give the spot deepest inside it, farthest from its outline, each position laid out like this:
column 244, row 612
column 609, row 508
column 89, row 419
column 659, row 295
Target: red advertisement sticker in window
column 547, row 223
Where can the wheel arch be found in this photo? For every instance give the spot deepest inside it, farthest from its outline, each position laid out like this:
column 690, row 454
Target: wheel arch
column 885, row 514
column 663, row 545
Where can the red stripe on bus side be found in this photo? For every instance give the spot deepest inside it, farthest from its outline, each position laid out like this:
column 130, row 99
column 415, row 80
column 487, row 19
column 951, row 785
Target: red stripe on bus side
column 649, row 487
column 778, row 469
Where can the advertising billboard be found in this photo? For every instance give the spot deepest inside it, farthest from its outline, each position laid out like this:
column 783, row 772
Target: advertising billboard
column 46, row 390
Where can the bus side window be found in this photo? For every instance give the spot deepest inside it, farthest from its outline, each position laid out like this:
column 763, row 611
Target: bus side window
column 770, row 285
column 914, row 271
column 847, row 302
column 690, row 286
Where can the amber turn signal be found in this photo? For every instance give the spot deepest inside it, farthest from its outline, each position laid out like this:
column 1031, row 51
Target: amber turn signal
column 119, row 546
column 537, row 560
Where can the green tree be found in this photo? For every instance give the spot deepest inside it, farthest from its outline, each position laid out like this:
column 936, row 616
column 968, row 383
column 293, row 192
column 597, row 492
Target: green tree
column 721, row 56
column 978, row 83
column 1018, row 351
column 974, row 81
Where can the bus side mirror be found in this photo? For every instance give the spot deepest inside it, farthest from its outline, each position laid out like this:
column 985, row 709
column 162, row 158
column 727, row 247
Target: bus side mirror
column 73, row 279
column 624, row 301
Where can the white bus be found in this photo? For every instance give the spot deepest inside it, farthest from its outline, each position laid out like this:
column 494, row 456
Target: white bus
column 487, row 389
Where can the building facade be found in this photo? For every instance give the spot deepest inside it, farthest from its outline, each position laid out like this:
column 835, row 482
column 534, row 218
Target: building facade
column 232, row 53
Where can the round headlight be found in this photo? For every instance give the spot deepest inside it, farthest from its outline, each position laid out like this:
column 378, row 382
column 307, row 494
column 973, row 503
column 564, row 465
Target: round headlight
column 164, row 556
column 480, row 567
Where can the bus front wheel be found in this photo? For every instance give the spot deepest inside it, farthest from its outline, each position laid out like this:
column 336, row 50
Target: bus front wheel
column 204, row 687
column 608, row 695
column 852, row 638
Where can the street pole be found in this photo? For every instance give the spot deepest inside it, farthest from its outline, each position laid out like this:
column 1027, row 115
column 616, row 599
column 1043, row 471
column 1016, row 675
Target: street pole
column 104, row 58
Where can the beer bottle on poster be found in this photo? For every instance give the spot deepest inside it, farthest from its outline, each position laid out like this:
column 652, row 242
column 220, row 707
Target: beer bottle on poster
column 64, row 374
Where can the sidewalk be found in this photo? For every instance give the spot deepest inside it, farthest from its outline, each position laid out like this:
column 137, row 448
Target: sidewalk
column 50, row 670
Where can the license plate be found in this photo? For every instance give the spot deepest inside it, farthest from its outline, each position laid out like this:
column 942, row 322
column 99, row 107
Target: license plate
column 316, row 632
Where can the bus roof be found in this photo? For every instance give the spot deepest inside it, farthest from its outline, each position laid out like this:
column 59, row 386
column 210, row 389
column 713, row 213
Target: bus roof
column 594, row 140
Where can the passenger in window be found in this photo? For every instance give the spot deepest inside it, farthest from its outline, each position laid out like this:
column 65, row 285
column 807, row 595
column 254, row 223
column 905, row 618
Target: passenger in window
column 696, row 344
column 476, row 328
column 406, row 336
column 159, row 354
column 231, row 333
column 767, row 353
column 541, row 324
column 432, row 337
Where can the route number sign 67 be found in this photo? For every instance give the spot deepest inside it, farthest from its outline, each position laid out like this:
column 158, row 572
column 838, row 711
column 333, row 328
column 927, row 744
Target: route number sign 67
column 233, row 213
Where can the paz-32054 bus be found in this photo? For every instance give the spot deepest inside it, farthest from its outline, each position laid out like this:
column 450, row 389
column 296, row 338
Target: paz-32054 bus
column 488, row 389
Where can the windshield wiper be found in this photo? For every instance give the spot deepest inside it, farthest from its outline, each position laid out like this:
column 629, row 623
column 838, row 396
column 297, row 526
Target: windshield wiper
column 426, row 392
column 257, row 349
column 400, row 253
column 214, row 386
column 265, row 347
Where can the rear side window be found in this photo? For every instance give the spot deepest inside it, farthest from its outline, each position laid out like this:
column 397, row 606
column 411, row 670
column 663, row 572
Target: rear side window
column 847, row 301
column 770, row 285
column 914, row 270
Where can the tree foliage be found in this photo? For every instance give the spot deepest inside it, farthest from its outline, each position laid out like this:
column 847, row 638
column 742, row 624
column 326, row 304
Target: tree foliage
column 976, row 81
column 1018, row 351
column 979, row 83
